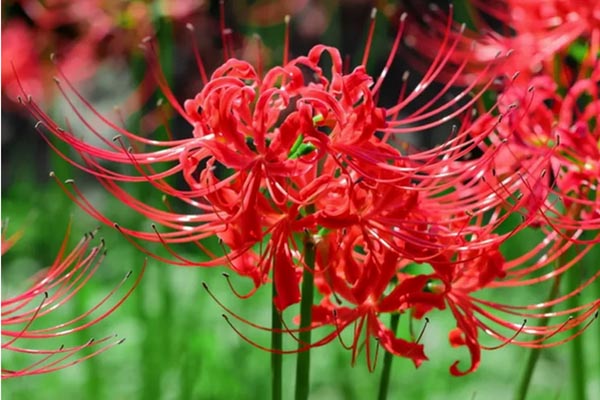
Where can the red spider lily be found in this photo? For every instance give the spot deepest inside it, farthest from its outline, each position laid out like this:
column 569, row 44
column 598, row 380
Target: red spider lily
column 65, row 28
column 51, row 290
column 554, row 138
column 355, row 289
column 458, row 276
column 581, row 17
column 21, row 48
column 272, row 131
column 532, row 33
column 361, row 279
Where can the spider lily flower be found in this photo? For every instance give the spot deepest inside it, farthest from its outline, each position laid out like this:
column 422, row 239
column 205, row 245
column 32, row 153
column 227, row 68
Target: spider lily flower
column 580, row 17
column 554, row 139
column 21, row 49
column 253, row 129
column 465, row 279
column 64, row 28
column 362, row 279
column 23, row 314
column 356, row 294
column 539, row 31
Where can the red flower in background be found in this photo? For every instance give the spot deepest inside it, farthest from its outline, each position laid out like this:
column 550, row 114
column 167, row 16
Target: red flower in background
column 554, row 138
column 83, row 35
column 523, row 37
column 50, row 291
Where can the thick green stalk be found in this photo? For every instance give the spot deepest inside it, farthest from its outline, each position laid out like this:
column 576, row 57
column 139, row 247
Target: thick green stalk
column 578, row 371
column 534, row 354
column 384, row 383
column 597, row 336
column 276, row 344
column 303, row 358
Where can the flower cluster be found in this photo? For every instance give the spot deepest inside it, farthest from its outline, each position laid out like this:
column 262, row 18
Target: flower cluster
column 305, row 180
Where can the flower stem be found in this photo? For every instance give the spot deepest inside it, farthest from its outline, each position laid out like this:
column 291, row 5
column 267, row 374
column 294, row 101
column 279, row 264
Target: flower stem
column 598, row 326
column 534, row 354
column 578, row 374
column 276, row 344
column 384, row 383
column 303, row 358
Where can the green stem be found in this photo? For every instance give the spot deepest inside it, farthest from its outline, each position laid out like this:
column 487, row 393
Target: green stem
column 276, row 345
column 166, row 43
column 576, row 346
column 384, row 383
column 303, row 358
column 534, row 354
column 598, row 327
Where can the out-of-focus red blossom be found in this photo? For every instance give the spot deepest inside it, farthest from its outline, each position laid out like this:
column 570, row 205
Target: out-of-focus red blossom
column 554, row 138
column 49, row 291
column 524, row 37
column 21, row 48
column 82, row 34
column 295, row 151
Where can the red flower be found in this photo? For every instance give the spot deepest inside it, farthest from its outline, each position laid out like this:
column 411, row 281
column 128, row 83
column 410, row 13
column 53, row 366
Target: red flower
column 354, row 275
column 553, row 140
column 539, row 30
column 459, row 276
column 82, row 34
